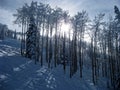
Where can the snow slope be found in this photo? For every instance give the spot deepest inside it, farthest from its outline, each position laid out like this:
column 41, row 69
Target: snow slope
column 19, row 73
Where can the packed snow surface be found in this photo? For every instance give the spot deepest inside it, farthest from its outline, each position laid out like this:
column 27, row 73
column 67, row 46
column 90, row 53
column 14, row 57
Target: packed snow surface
column 19, row 73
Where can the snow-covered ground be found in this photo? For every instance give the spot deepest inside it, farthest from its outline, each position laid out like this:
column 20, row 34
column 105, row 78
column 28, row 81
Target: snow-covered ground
column 19, row 73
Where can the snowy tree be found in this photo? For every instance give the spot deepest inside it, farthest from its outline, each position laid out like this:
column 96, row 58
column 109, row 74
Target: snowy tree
column 32, row 44
column 15, row 34
column 96, row 29
column 3, row 31
column 79, row 24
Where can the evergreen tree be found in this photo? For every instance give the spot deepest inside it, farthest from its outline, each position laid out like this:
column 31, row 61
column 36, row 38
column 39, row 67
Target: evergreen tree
column 3, row 30
column 15, row 35
column 117, row 12
column 31, row 40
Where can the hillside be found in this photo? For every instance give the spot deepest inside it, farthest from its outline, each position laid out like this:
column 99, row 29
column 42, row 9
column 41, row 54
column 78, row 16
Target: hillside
column 19, row 73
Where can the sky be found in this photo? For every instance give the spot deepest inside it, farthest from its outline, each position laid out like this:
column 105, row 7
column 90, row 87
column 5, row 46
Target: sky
column 93, row 7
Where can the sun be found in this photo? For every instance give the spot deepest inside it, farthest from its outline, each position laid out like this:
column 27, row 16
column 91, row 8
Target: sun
column 65, row 28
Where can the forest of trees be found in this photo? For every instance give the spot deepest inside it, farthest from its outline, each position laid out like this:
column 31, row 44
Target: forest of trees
column 43, row 41
column 3, row 29
column 5, row 32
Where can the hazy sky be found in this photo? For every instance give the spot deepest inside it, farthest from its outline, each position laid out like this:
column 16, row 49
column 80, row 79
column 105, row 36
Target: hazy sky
column 93, row 7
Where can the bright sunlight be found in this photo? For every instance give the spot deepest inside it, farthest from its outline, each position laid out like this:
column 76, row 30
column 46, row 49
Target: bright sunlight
column 65, row 28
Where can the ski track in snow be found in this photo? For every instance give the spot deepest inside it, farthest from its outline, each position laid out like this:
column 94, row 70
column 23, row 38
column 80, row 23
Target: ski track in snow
column 22, row 66
column 4, row 78
column 19, row 73
column 43, row 78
